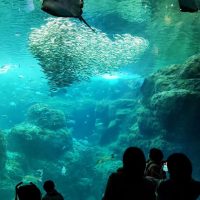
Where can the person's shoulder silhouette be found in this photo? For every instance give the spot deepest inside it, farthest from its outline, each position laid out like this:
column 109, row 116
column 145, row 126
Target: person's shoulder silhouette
column 129, row 182
column 180, row 185
column 51, row 192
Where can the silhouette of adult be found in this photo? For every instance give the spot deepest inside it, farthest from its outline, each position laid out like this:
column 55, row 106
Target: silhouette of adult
column 128, row 183
column 180, row 185
column 27, row 192
column 51, row 192
column 154, row 165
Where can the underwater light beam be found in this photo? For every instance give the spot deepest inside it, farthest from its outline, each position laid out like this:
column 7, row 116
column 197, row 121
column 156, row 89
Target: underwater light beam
column 110, row 77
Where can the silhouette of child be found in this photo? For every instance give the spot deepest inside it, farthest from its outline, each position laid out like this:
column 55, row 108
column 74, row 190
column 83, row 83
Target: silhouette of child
column 51, row 193
column 154, row 166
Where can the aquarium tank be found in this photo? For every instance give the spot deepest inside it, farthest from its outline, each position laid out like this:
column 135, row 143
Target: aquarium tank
column 73, row 96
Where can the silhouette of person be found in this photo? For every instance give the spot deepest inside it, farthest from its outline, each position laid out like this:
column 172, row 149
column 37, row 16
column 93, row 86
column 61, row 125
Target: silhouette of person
column 180, row 185
column 154, row 165
column 128, row 183
column 51, row 192
column 27, row 192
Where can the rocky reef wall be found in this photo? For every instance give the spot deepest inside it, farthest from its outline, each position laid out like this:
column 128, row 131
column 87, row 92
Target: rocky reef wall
column 171, row 104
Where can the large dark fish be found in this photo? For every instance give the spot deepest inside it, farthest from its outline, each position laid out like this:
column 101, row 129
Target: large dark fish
column 64, row 8
column 189, row 5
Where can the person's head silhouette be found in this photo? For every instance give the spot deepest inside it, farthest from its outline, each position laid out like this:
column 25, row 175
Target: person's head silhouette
column 49, row 186
column 134, row 161
column 179, row 167
column 156, row 155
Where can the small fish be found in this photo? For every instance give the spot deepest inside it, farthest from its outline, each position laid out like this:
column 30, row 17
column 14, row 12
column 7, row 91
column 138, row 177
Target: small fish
column 29, row 6
column 17, row 34
column 58, row 92
column 21, row 76
column 63, row 171
column 71, row 122
column 8, row 67
column 12, row 103
column 38, row 93
column 65, row 8
column 105, row 159
column 4, row 69
column 4, row 116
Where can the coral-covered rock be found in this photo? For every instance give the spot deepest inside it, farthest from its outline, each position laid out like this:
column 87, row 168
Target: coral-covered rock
column 35, row 142
column 147, row 123
column 45, row 117
column 171, row 97
column 2, row 151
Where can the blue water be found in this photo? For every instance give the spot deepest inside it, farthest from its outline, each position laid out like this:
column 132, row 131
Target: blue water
column 99, row 112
